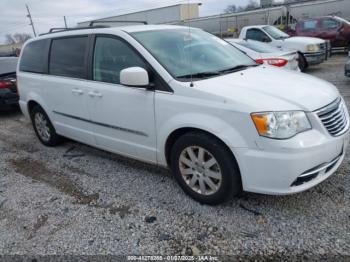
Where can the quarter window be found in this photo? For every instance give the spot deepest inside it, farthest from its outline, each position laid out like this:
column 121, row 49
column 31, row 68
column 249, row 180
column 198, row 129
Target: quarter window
column 111, row 56
column 68, row 57
column 34, row 57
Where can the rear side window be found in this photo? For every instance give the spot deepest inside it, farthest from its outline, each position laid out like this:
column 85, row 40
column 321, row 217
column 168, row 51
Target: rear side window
column 257, row 35
column 34, row 57
column 68, row 57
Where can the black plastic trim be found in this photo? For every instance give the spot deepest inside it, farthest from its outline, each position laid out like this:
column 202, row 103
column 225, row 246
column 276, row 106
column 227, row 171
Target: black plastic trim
column 103, row 124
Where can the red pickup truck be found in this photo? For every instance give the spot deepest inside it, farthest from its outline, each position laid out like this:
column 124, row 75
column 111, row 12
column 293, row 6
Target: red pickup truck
column 332, row 28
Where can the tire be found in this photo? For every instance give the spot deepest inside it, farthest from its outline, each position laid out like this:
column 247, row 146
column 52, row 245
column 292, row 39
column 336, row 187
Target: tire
column 43, row 127
column 224, row 174
column 302, row 63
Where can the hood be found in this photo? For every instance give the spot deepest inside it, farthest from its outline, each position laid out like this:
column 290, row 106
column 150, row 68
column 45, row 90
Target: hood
column 304, row 40
column 266, row 88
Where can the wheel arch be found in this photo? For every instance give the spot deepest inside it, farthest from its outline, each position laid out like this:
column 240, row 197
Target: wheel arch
column 31, row 104
column 35, row 99
column 301, row 55
column 176, row 134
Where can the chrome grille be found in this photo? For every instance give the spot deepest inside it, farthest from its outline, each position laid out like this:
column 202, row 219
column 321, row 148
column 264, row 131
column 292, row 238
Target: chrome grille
column 334, row 117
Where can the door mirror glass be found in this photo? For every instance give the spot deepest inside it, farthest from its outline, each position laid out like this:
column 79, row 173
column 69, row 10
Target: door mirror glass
column 134, row 76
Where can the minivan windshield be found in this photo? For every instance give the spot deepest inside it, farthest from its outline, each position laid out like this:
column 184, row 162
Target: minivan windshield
column 275, row 33
column 192, row 53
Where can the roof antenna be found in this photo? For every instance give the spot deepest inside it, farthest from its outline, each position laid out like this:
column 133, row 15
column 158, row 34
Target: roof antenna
column 190, row 37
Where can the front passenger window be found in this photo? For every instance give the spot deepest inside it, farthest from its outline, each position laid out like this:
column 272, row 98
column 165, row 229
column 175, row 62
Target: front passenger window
column 111, row 56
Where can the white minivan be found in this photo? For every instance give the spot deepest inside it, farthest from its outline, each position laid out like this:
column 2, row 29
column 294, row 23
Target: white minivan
column 185, row 99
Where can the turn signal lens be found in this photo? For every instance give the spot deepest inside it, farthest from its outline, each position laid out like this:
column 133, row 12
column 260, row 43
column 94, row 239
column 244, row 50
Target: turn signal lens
column 260, row 122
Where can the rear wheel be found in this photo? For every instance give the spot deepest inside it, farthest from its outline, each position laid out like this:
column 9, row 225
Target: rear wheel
column 302, row 63
column 44, row 128
column 205, row 168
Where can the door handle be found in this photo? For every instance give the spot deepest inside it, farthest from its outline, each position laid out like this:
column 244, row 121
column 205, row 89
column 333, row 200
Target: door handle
column 77, row 91
column 95, row 94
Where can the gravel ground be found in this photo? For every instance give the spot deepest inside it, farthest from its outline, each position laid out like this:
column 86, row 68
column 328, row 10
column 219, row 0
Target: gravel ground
column 77, row 200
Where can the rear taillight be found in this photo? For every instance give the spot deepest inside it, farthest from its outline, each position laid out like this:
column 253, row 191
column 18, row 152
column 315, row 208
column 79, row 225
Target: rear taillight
column 273, row 61
column 5, row 84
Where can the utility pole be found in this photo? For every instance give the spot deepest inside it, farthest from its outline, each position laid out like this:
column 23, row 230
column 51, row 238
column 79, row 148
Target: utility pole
column 65, row 21
column 31, row 21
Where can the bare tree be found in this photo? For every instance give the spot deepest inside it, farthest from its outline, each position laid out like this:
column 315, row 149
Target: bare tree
column 252, row 5
column 230, row 9
column 21, row 37
column 9, row 39
column 17, row 38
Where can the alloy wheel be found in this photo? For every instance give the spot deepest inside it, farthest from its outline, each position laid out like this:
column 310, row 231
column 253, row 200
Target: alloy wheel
column 42, row 126
column 200, row 170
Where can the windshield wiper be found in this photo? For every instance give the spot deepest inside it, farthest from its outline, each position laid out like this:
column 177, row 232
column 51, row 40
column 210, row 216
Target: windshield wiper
column 236, row 68
column 200, row 75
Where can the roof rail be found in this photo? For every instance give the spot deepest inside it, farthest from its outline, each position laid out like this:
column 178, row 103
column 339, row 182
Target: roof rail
column 64, row 29
column 117, row 21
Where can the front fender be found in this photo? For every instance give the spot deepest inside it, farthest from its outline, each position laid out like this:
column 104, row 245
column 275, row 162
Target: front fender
column 211, row 124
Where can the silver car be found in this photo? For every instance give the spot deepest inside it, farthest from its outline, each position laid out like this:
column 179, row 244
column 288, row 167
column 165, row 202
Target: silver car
column 263, row 53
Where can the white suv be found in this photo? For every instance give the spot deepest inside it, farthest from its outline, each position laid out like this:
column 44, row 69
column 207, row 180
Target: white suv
column 183, row 98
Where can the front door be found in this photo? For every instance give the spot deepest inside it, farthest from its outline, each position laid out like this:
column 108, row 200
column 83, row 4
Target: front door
column 123, row 117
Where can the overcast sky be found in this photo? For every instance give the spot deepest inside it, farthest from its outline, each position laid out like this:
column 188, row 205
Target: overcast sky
column 49, row 13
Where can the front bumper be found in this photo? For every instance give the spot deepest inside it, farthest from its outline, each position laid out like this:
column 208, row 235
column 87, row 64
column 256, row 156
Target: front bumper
column 8, row 99
column 294, row 165
column 276, row 172
column 315, row 58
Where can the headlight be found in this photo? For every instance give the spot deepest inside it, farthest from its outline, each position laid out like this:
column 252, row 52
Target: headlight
column 313, row 48
column 281, row 125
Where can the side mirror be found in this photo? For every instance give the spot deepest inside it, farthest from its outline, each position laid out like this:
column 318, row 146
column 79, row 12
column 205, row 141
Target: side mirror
column 134, row 76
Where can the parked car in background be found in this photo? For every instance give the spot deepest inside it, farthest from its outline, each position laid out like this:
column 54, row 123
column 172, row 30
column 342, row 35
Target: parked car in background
column 332, row 28
column 347, row 67
column 187, row 100
column 312, row 50
column 266, row 54
column 8, row 83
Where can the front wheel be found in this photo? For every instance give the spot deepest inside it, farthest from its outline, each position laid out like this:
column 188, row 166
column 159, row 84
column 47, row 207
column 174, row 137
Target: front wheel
column 205, row 168
column 302, row 63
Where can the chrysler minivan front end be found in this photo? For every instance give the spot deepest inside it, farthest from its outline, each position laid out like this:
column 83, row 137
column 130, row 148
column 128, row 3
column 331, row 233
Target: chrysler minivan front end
column 290, row 165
